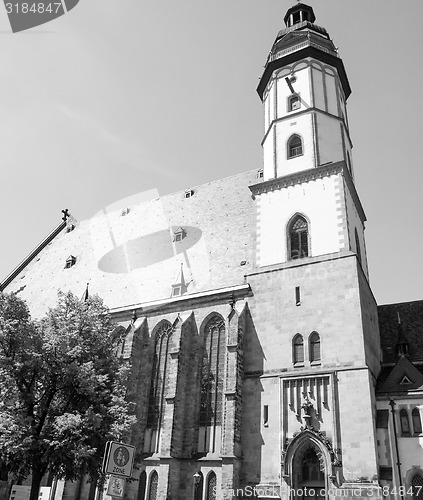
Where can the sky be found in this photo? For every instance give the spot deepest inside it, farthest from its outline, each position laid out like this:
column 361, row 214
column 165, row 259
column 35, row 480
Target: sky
column 122, row 96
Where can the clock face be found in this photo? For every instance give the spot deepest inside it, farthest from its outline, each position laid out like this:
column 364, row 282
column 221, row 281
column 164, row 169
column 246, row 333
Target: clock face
column 149, row 249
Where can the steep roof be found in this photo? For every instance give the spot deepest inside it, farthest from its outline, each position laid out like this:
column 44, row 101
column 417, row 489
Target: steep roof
column 403, row 377
column 132, row 256
column 411, row 314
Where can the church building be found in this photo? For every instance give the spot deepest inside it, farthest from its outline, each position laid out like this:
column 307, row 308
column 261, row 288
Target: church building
column 261, row 365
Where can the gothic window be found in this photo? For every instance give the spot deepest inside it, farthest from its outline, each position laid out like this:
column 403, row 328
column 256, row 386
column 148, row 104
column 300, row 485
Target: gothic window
column 357, row 245
column 211, row 382
column 294, row 102
column 198, row 487
column 417, row 423
column 295, row 146
column 298, row 238
column 154, row 483
column 158, row 386
column 314, row 347
column 405, row 423
column 211, row 487
column 417, row 485
column 298, row 349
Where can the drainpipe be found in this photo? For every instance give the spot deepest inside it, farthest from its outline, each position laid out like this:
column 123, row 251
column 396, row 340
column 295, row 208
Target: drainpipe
column 392, row 404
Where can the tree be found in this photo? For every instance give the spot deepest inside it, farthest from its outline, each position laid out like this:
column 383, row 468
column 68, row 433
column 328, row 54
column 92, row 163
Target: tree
column 63, row 389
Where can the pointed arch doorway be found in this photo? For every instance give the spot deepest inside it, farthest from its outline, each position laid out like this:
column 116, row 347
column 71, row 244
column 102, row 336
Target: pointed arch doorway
column 310, row 478
column 306, row 467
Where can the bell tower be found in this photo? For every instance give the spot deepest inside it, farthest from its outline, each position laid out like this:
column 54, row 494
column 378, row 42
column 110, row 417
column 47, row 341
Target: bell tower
column 304, row 89
column 316, row 317
column 308, row 186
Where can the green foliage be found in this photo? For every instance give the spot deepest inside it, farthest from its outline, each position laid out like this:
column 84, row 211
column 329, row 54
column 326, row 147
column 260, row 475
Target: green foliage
column 63, row 388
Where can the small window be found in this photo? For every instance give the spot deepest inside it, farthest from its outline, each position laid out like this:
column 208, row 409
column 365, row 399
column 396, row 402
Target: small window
column 70, row 261
column 298, row 350
column 417, row 423
column 125, row 211
column 298, row 238
column 294, row 102
column 266, row 415
column 188, row 193
column 260, row 174
column 70, row 228
column 176, row 290
column 315, row 348
column 405, row 423
column 179, row 234
column 295, row 146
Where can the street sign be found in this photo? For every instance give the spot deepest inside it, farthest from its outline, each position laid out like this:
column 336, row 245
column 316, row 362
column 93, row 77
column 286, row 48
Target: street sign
column 118, row 459
column 116, row 486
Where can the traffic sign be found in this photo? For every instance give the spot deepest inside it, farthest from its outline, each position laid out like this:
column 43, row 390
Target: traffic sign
column 116, row 486
column 118, row 459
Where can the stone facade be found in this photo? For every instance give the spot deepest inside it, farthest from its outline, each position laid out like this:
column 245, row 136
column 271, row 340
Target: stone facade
column 245, row 310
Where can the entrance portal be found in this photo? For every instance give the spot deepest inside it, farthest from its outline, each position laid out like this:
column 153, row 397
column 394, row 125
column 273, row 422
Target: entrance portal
column 311, row 484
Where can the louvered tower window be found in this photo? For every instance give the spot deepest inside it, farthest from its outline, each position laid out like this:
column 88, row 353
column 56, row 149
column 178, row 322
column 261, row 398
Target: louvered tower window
column 417, row 423
column 298, row 238
column 211, row 383
column 315, row 347
column 295, row 146
column 298, row 349
column 157, row 388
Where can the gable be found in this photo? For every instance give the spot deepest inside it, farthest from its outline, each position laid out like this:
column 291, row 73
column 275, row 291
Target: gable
column 403, row 377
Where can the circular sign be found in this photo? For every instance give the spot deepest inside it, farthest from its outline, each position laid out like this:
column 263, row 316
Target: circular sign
column 121, row 456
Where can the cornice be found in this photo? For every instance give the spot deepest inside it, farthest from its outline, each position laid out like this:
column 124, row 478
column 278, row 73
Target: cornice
column 309, row 175
column 309, row 51
column 183, row 302
column 297, row 178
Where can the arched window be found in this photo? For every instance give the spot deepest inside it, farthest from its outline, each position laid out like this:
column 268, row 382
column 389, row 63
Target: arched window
column 198, row 486
column 417, row 485
column 357, row 245
column 157, row 388
column 154, row 484
column 314, row 347
column 211, row 486
column 141, row 486
column 298, row 238
column 295, row 146
column 298, row 349
column 405, row 423
column 417, row 423
column 211, row 383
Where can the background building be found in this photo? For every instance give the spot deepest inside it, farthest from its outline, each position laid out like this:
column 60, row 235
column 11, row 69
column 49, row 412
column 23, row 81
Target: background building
column 246, row 311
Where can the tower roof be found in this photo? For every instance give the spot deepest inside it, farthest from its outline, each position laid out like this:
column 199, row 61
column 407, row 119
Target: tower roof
column 306, row 10
column 301, row 39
